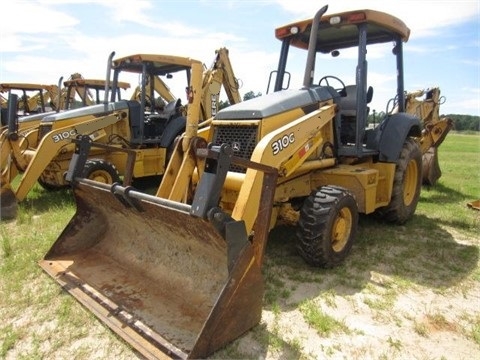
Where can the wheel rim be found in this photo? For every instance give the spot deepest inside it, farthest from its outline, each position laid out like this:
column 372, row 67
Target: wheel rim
column 101, row 176
column 410, row 182
column 341, row 229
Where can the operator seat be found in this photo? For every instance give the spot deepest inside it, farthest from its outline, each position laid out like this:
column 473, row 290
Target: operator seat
column 347, row 104
column 348, row 100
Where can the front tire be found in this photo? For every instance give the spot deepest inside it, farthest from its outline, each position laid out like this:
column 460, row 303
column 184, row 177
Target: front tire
column 50, row 187
column 327, row 226
column 406, row 187
column 101, row 171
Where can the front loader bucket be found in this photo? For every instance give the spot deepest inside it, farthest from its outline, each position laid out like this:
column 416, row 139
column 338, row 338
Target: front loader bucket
column 164, row 280
column 474, row 204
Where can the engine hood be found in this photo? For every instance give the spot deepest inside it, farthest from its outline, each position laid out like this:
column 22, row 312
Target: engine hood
column 275, row 103
column 87, row 110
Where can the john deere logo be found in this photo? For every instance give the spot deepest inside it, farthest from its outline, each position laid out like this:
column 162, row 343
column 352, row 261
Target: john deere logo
column 236, row 146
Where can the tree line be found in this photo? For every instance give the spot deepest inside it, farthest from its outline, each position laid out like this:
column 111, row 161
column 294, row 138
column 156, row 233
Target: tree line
column 460, row 122
column 464, row 122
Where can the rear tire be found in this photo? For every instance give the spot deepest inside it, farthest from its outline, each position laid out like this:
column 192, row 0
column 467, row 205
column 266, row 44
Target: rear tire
column 407, row 183
column 101, row 171
column 327, row 226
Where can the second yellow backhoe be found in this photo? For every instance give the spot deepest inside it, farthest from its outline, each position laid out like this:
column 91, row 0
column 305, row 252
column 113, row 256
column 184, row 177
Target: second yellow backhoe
column 48, row 99
column 32, row 99
column 142, row 130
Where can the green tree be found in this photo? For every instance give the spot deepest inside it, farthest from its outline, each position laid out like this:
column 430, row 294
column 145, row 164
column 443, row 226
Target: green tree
column 250, row 95
column 465, row 122
column 223, row 104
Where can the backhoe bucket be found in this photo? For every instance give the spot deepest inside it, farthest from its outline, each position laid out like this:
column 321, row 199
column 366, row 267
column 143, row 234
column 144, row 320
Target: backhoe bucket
column 431, row 167
column 437, row 133
column 170, row 283
column 8, row 204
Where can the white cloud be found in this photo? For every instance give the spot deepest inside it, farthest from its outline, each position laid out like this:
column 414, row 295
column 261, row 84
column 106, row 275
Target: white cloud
column 469, row 106
column 51, row 40
column 22, row 17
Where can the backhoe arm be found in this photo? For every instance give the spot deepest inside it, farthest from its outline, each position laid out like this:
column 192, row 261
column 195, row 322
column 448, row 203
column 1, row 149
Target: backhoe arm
column 160, row 88
column 219, row 74
column 435, row 129
column 230, row 82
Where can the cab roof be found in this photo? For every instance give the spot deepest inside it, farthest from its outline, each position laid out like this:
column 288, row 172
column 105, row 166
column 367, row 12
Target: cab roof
column 93, row 83
column 24, row 86
column 381, row 28
column 156, row 64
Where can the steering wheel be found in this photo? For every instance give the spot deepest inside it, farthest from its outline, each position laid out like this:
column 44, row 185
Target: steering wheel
column 327, row 79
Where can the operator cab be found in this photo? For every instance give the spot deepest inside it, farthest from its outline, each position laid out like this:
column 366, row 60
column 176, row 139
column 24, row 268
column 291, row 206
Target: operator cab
column 351, row 32
column 154, row 106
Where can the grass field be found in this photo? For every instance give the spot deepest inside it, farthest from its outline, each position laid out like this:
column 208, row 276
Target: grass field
column 405, row 292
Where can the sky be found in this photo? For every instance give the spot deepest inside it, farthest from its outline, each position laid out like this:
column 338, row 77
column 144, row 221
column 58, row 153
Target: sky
column 43, row 40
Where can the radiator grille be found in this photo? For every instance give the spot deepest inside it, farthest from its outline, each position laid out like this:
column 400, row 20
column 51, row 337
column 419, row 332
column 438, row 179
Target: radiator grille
column 242, row 139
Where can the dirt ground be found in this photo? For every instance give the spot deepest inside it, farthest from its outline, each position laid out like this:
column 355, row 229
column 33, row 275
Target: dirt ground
column 383, row 316
column 384, row 319
column 408, row 330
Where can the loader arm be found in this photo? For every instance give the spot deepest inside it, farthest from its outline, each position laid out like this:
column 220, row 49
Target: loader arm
column 182, row 163
column 4, row 148
column 51, row 144
column 305, row 135
column 12, row 148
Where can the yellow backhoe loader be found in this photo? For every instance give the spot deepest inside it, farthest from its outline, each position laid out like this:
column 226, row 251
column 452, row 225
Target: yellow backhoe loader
column 76, row 92
column 39, row 98
column 141, row 131
column 33, row 98
column 79, row 92
column 179, row 274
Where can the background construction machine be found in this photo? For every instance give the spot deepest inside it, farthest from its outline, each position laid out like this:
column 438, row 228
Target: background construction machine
column 33, row 98
column 180, row 273
column 141, row 131
column 22, row 132
column 79, row 92
column 48, row 99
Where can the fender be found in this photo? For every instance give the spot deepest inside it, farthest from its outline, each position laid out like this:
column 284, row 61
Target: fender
column 174, row 127
column 392, row 132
